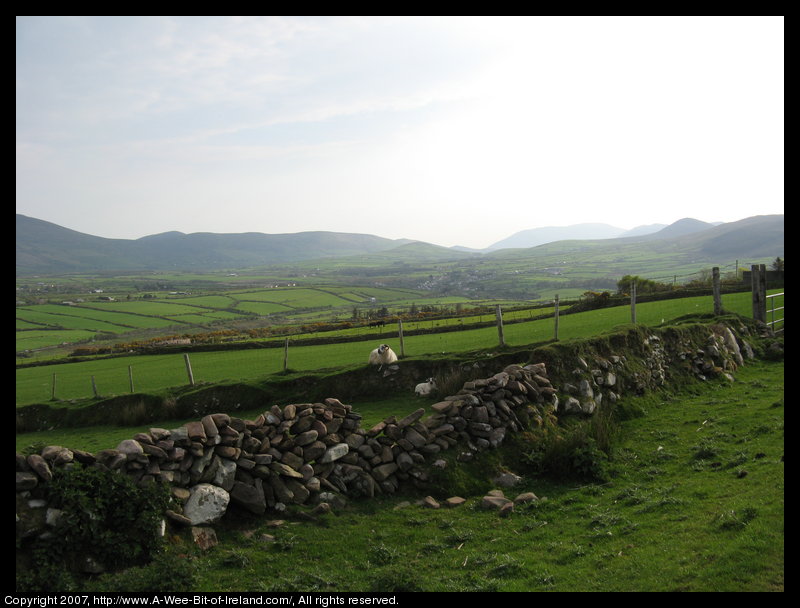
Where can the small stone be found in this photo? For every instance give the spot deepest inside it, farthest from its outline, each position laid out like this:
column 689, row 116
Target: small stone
column 209, row 426
column 454, row 501
column 506, row 480
column 40, row 467
column 526, row 497
column 495, row 502
column 26, row 481
column 130, row 447
column 249, row 497
column 204, row 537
column 321, row 509
column 411, row 418
column 429, row 502
column 335, row 452
column 178, row 518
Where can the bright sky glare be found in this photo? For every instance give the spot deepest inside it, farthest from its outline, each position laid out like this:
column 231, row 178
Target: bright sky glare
column 454, row 131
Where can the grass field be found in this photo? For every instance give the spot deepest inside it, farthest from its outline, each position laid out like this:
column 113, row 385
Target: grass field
column 158, row 372
column 182, row 313
column 693, row 501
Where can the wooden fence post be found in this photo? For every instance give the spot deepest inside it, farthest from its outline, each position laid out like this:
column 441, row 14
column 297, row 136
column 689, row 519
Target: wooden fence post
column 130, row 376
column 499, row 314
column 555, row 336
column 633, row 302
column 286, row 354
column 716, row 290
column 758, row 285
column 53, row 389
column 94, row 387
column 188, row 368
column 400, row 336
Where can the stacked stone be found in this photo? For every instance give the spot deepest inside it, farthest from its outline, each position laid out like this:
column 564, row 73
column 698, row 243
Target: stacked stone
column 292, row 454
column 484, row 410
column 592, row 383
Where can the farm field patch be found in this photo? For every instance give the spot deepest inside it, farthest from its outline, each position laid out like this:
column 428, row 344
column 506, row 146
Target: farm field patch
column 74, row 379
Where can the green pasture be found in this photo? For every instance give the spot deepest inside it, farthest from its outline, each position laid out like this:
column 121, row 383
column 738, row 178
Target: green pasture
column 28, row 324
column 65, row 321
column 262, row 308
column 211, row 301
column 692, row 500
column 150, row 308
column 34, row 339
column 158, row 372
column 85, row 311
column 307, row 305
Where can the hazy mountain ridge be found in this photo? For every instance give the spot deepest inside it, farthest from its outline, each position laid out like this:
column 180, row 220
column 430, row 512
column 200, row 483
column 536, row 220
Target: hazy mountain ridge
column 43, row 247
column 549, row 234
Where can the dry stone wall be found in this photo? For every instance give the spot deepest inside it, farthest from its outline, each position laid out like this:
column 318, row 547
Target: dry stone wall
column 297, row 453
column 311, row 453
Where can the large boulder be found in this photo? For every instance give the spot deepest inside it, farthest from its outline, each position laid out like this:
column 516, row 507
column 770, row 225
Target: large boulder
column 207, row 504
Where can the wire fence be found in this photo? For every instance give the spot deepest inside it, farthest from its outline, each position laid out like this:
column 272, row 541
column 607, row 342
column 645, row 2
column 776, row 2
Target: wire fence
column 155, row 373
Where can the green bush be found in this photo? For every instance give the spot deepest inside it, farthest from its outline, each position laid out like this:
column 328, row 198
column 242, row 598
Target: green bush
column 569, row 453
column 167, row 572
column 105, row 517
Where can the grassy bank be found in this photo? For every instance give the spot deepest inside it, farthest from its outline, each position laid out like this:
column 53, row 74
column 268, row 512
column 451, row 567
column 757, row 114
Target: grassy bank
column 692, row 500
column 695, row 502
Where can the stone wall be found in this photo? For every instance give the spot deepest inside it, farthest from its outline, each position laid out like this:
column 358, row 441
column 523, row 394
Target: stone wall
column 310, row 453
column 294, row 453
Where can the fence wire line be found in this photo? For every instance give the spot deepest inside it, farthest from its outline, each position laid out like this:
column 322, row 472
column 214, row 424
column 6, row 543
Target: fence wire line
column 743, row 265
column 160, row 372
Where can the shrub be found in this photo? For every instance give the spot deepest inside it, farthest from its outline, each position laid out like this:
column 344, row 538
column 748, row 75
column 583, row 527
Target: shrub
column 167, row 572
column 570, row 453
column 105, row 516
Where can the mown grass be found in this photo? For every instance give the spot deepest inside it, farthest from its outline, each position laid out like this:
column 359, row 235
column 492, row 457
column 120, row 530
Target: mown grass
column 695, row 503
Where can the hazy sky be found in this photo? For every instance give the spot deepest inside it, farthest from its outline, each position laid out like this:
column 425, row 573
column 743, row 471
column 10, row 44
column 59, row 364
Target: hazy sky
column 455, row 131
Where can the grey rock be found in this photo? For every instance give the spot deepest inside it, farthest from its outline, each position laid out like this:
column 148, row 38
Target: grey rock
column 335, row 452
column 249, row 497
column 506, row 480
column 130, row 447
column 207, row 504
column 26, row 481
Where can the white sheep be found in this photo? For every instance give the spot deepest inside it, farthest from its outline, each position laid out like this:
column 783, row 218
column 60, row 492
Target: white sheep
column 424, row 389
column 383, row 355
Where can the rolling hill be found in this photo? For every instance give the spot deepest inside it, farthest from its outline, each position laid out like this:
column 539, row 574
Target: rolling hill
column 43, row 247
column 46, row 248
column 754, row 237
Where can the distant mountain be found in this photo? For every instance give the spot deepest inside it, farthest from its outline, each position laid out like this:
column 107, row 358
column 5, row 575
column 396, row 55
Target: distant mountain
column 643, row 230
column 754, row 237
column 43, row 247
column 550, row 234
column 682, row 227
column 46, row 248
column 757, row 236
